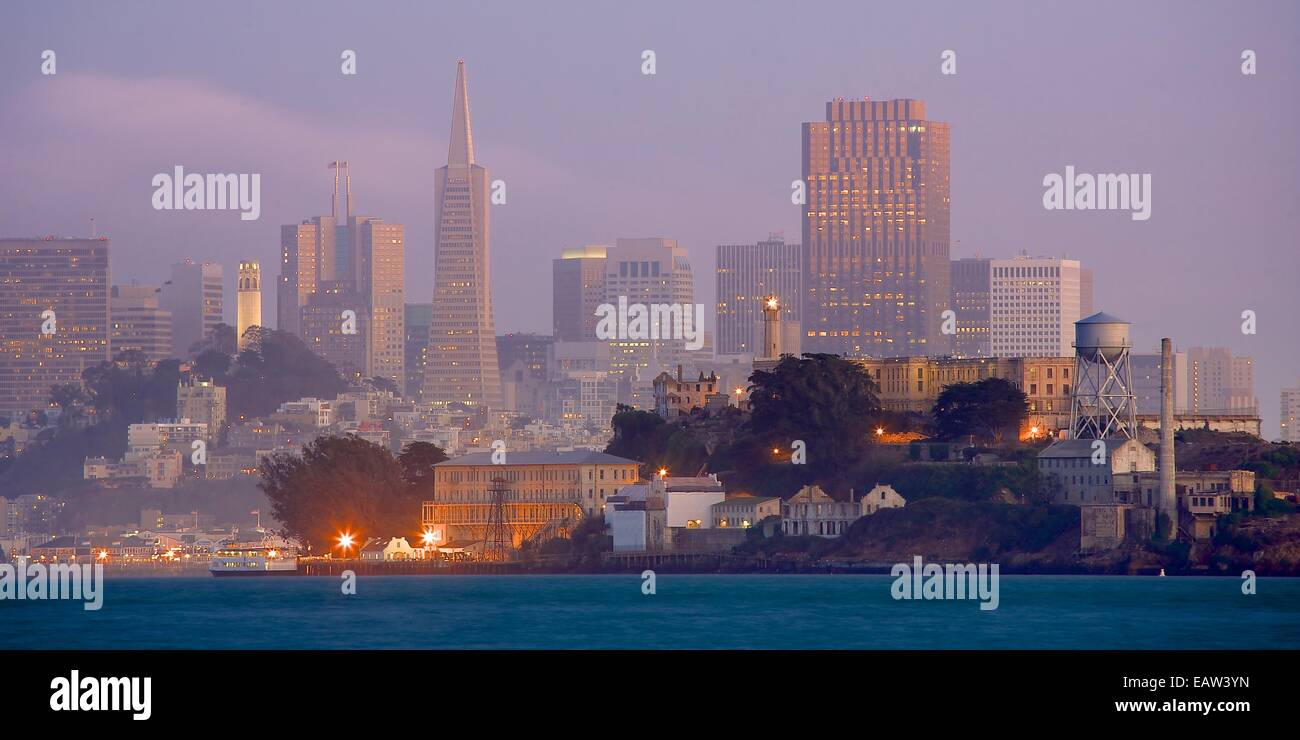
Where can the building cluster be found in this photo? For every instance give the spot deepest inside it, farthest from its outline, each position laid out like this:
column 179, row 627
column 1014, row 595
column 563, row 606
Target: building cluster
column 872, row 279
column 528, row 497
column 157, row 539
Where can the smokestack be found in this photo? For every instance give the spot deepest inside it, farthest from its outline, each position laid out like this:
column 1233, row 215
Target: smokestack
column 1168, row 503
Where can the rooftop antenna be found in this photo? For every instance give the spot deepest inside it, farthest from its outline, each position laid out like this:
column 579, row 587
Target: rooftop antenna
column 94, row 234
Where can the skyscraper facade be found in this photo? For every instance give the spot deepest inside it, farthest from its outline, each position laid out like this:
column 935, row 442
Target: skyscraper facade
column 1034, row 302
column 345, row 262
column 139, row 322
column 248, row 298
column 416, row 317
column 747, row 275
column 577, row 289
column 69, row 277
column 195, row 297
column 650, row 271
column 875, row 229
column 462, row 356
column 1220, row 382
column 970, row 303
column 380, row 255
column 1290, row 418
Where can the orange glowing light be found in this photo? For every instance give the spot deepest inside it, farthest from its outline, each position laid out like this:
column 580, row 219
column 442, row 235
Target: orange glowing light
column 880, row 431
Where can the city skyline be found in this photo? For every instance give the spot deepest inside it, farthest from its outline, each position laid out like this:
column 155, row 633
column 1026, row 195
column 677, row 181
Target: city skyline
column 636, row 157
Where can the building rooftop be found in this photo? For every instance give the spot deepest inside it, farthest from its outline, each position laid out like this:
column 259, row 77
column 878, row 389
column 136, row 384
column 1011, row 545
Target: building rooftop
column 576, row 457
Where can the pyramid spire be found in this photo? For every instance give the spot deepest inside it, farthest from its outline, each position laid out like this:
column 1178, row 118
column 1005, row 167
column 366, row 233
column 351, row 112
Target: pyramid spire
column 461, row 151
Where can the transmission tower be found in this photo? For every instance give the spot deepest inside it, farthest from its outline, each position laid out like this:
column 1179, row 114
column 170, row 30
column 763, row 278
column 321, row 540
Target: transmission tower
column 498, row 542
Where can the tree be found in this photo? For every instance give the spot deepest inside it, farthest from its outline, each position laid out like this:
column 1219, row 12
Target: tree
column 824, row 400
column 645, row 436
column 275, row 367
column 984, row 409
column 221, row 339
column 339, row 484
column 417, row 460
column 69, row 397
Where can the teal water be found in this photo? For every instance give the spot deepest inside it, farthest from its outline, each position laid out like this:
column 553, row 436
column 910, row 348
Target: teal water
column 687, row 611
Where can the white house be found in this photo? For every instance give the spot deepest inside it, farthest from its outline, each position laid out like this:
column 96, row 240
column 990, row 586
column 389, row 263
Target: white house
column 881, row 497
column 390, row 548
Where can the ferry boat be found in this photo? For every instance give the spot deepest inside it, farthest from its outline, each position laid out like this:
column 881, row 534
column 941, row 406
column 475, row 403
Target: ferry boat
column 253, row 561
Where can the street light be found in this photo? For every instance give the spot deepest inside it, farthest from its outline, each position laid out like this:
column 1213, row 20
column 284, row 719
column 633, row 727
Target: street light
column 345, row 542
column 663, row 473
column 880, row 431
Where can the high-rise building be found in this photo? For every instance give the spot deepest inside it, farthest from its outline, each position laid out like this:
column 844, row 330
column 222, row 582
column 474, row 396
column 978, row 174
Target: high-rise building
column 380, row 254
column 1034, row 302
column 1146, row 381
column 357, row 263
column 335, row 327
column 747, row 275
column 577, row 290
column 875, row 229
column 1219, row 382
column 416, row 345
column 310, row 253
column 70, row 278
column 194, row 297
column 650, row 272
column 1291, row 414
column 249, row 298
column 970, row 302
column 139, row 323
column 462, row 356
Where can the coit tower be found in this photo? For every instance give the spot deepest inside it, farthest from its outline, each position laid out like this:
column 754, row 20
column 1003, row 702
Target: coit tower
column 249, row 298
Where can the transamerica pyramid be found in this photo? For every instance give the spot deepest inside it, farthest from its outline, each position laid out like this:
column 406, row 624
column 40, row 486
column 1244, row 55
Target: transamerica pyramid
column 462, row 356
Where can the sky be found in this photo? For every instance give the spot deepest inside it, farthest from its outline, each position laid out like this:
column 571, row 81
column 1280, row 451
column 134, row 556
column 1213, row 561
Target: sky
column 703, row 151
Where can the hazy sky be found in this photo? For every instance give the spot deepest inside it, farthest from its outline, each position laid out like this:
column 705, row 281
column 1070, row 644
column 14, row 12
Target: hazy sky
column 704, row 151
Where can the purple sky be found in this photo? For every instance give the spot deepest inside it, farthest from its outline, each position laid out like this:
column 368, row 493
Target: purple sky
column 704, row 151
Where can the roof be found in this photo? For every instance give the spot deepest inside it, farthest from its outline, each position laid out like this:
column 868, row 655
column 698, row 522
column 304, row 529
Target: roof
column 1081, row 447
column 1101, row 317
column 747, row 499
column 576, row 457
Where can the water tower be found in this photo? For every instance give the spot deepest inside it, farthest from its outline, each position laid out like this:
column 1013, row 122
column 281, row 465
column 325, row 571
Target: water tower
column 1102, row 403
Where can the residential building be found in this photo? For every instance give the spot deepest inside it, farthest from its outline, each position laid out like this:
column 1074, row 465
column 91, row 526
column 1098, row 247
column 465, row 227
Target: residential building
column 139, row 323
column 202, row 401
column 811, row 511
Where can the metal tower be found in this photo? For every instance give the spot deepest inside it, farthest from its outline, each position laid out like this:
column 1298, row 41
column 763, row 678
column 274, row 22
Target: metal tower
column 1102, row 404
column 498, row 541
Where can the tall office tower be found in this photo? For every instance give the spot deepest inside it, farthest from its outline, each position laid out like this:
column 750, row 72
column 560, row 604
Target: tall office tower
column 1034, row 302
column 139, row 323
column 971, row 287
column 380, row 252
column 577, row 289
column 1085, row 292
column 310, row 252
column 69, row 277
column 330, row 331
column 1291, row 414
column 875, row 229
column 747, row 274
column 462, row 359
column 1219, row 382
column 416, row 317
column 1146, row 381
column 249, row 298
column 194, row 297
column 651, row 272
